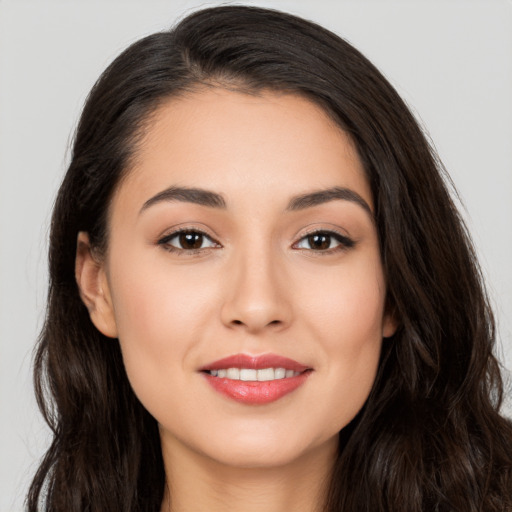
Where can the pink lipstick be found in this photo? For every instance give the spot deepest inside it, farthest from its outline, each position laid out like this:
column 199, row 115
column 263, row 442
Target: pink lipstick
column 255, row 379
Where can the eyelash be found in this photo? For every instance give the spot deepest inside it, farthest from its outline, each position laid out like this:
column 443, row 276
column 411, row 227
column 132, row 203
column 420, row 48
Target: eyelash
column 165, row 241
column 343, row 241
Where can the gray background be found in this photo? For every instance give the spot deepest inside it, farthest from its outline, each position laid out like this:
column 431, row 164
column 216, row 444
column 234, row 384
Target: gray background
column 451, row 60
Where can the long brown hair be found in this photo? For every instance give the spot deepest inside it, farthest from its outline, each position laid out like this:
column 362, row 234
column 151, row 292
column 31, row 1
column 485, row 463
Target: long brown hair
column 430, row 436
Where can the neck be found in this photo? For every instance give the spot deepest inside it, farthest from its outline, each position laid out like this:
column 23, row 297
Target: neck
column 195, row 482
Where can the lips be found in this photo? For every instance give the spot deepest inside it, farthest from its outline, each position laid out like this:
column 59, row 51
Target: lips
column 255, row 379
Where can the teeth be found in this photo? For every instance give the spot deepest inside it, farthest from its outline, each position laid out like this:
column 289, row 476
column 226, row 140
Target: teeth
column 266, row 374
column 246, row 374
column 249, row 374
column 280, row 373
column 233, row 373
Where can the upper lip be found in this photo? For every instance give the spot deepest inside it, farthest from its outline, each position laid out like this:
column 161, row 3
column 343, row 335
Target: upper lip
column 258, row 362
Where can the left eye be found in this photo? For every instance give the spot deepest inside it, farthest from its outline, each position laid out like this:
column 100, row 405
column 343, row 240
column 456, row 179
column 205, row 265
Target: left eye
column 188, row 240
column 323, row 241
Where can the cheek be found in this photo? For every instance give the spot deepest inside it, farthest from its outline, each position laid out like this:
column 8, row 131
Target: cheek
column 160, row 315
column 347, row 320
column 155, row 298
column 346, row 305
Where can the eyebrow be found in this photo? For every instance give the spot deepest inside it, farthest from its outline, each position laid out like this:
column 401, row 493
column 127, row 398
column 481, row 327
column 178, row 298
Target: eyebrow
column 187, row 195
column 214, row 200
column 324, row 196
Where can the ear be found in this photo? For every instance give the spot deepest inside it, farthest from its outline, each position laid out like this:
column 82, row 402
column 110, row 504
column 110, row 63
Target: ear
column 93, row 286
column 390, row 321
column 389, row 326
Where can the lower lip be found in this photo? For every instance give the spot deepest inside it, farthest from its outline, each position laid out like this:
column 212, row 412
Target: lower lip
column 255, row 392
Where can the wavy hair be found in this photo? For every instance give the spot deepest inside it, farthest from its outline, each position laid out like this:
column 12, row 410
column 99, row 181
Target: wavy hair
column 430, row 436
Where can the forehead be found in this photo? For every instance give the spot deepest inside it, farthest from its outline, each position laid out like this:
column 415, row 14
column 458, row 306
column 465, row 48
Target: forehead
column 271, row 144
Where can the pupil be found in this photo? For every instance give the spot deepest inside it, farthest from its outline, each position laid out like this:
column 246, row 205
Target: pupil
column 191, row 240
column 319, row 241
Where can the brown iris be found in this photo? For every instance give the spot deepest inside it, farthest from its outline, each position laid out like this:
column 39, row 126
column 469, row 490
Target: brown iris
column 319, row 241
column 191, row 240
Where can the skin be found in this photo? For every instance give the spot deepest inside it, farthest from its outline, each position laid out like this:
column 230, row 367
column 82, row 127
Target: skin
column 255, row 286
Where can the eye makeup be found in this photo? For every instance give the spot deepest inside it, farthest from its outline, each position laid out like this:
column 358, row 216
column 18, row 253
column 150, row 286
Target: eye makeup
column 192, row 241
column 324, row 242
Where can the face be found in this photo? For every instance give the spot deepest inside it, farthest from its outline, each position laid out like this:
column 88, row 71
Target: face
column 244, row 231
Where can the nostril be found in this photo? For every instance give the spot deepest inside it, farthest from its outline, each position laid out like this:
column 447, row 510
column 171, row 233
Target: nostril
column 273, row 322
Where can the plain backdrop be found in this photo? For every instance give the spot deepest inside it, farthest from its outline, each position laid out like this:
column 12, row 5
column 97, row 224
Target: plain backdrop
column 451, row 61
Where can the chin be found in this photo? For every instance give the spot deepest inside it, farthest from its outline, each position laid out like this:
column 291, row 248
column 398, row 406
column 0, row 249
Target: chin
column 246, row 450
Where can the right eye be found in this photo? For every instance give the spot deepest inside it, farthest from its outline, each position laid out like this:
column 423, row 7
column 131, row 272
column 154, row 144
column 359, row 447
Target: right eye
column 187, row 241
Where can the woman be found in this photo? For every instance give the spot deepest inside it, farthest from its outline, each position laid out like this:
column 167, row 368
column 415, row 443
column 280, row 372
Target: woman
column 261, row 293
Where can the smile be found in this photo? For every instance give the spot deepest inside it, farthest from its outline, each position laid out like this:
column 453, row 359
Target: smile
column 255, row 380
column 250, row 374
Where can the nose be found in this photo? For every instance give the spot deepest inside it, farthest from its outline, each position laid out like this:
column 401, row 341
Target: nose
column 257, row 296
